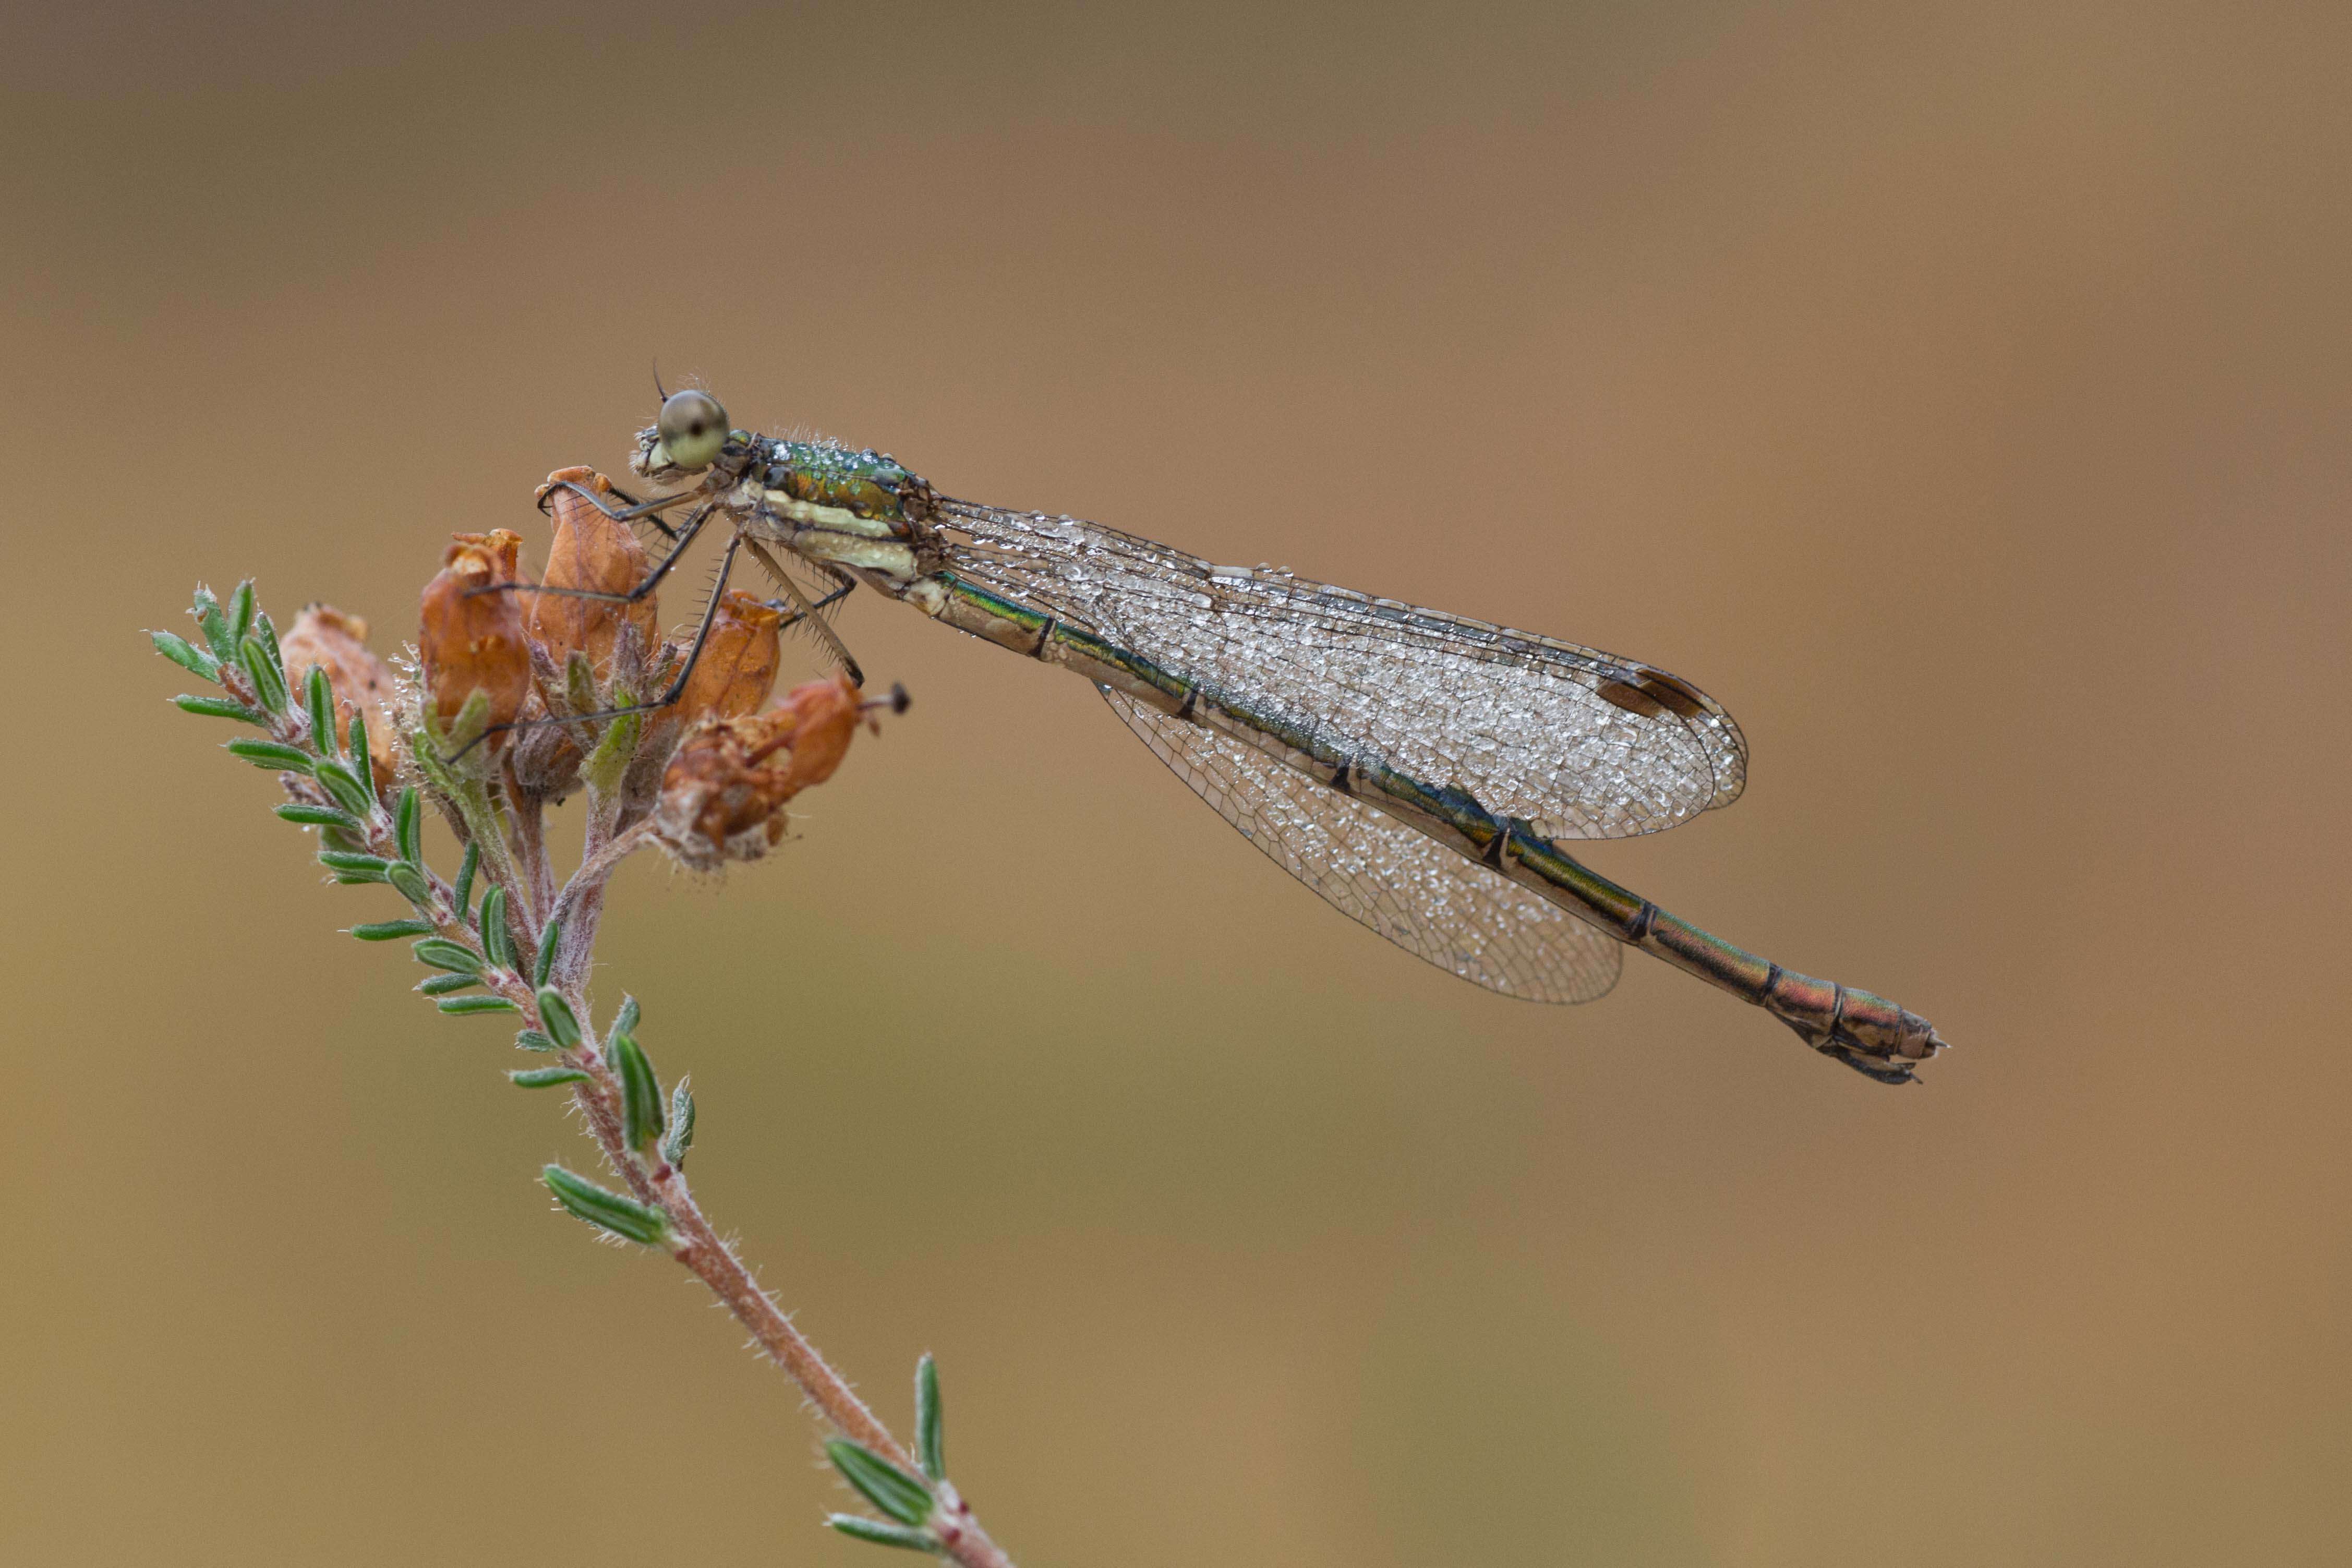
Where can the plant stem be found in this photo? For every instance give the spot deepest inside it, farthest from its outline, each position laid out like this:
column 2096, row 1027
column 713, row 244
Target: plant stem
column 656, row 1182
column 582, row 897
column 520, row 865
column 472, row 798
column 528, row 813
column 731, row 1282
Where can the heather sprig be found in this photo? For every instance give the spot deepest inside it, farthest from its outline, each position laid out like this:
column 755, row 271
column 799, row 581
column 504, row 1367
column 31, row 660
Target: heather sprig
column 366, row 761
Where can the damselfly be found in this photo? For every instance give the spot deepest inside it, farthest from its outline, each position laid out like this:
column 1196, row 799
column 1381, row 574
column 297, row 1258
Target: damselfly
column 1416, row 769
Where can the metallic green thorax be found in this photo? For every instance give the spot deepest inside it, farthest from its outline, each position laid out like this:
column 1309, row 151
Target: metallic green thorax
column 845, row 507
column 866, row 484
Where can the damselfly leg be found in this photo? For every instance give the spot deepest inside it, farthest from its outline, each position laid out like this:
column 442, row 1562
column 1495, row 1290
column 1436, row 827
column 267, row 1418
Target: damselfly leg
column 804, row 611
column 678, row 684
column 632, row 511
column 797, row 614
column 653, row 578
column 796, row 602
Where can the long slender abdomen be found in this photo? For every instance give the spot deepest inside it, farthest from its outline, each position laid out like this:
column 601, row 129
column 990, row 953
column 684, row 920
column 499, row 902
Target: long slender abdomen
column 1868, row 1033
column 1863, row 1030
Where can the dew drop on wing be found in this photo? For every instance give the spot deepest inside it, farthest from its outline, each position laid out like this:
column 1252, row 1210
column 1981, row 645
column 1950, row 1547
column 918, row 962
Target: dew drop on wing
column 1513, row 719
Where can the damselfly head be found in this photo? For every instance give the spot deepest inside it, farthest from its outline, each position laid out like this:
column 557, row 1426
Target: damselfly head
column 687, row 436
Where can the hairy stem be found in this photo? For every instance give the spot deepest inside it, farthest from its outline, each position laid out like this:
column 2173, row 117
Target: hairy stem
column 655, row 1180
column 475, row 808
column 528, row 813
column 585, row 892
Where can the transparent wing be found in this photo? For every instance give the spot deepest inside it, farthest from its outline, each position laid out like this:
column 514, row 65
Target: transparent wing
column 1419, row 895
column 1581, row 743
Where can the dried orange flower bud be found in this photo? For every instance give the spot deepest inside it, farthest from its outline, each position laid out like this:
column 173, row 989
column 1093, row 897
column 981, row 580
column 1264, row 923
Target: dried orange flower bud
column 324, row 637
column 723, row 796
column 472, row 641
column 738, row 668
column 824, row 716
column 590, row 550
column 717, row 806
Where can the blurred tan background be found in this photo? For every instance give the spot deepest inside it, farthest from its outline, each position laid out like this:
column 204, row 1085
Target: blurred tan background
column 1959, row 393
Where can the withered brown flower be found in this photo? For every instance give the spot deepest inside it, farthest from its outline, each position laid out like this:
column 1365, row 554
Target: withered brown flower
column 590, row 550
column 737, row 671
column 723, row 796
column 472, row 641
column 500, row 548
column 324, row 637
column 824, row 716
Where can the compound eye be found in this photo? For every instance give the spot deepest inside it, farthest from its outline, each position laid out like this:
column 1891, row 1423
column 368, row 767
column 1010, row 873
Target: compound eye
column 693, row 426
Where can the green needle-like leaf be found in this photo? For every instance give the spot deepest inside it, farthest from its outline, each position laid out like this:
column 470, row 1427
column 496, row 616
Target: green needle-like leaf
column 533, row 1040
column 546, row 1078
column 681, row 1136
column 625, row 1217
column 364, row 868
column 266, row 630
column 543, row 964
column 391, row 931
column 425, row 745
column 641, row 1097
column 443, row 985
column 555, row 1017
column 441, row 953
column 271, row 754
column 408, row 826
column 319, row 697
column 610, row 760
column 186, row 655
column 497, row 942
column 930, row 1435
column 356, row 748
column 882, row 1534
column 345, row 785
column 464, row 891
column 624, row 1022
column 220, row 708
column 269, row 680
column 884, row 1484
column 464, row 1004
column 410, row 883
column 239, row 612
column 214, row 626
column 473, row 721
column 317, row 816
